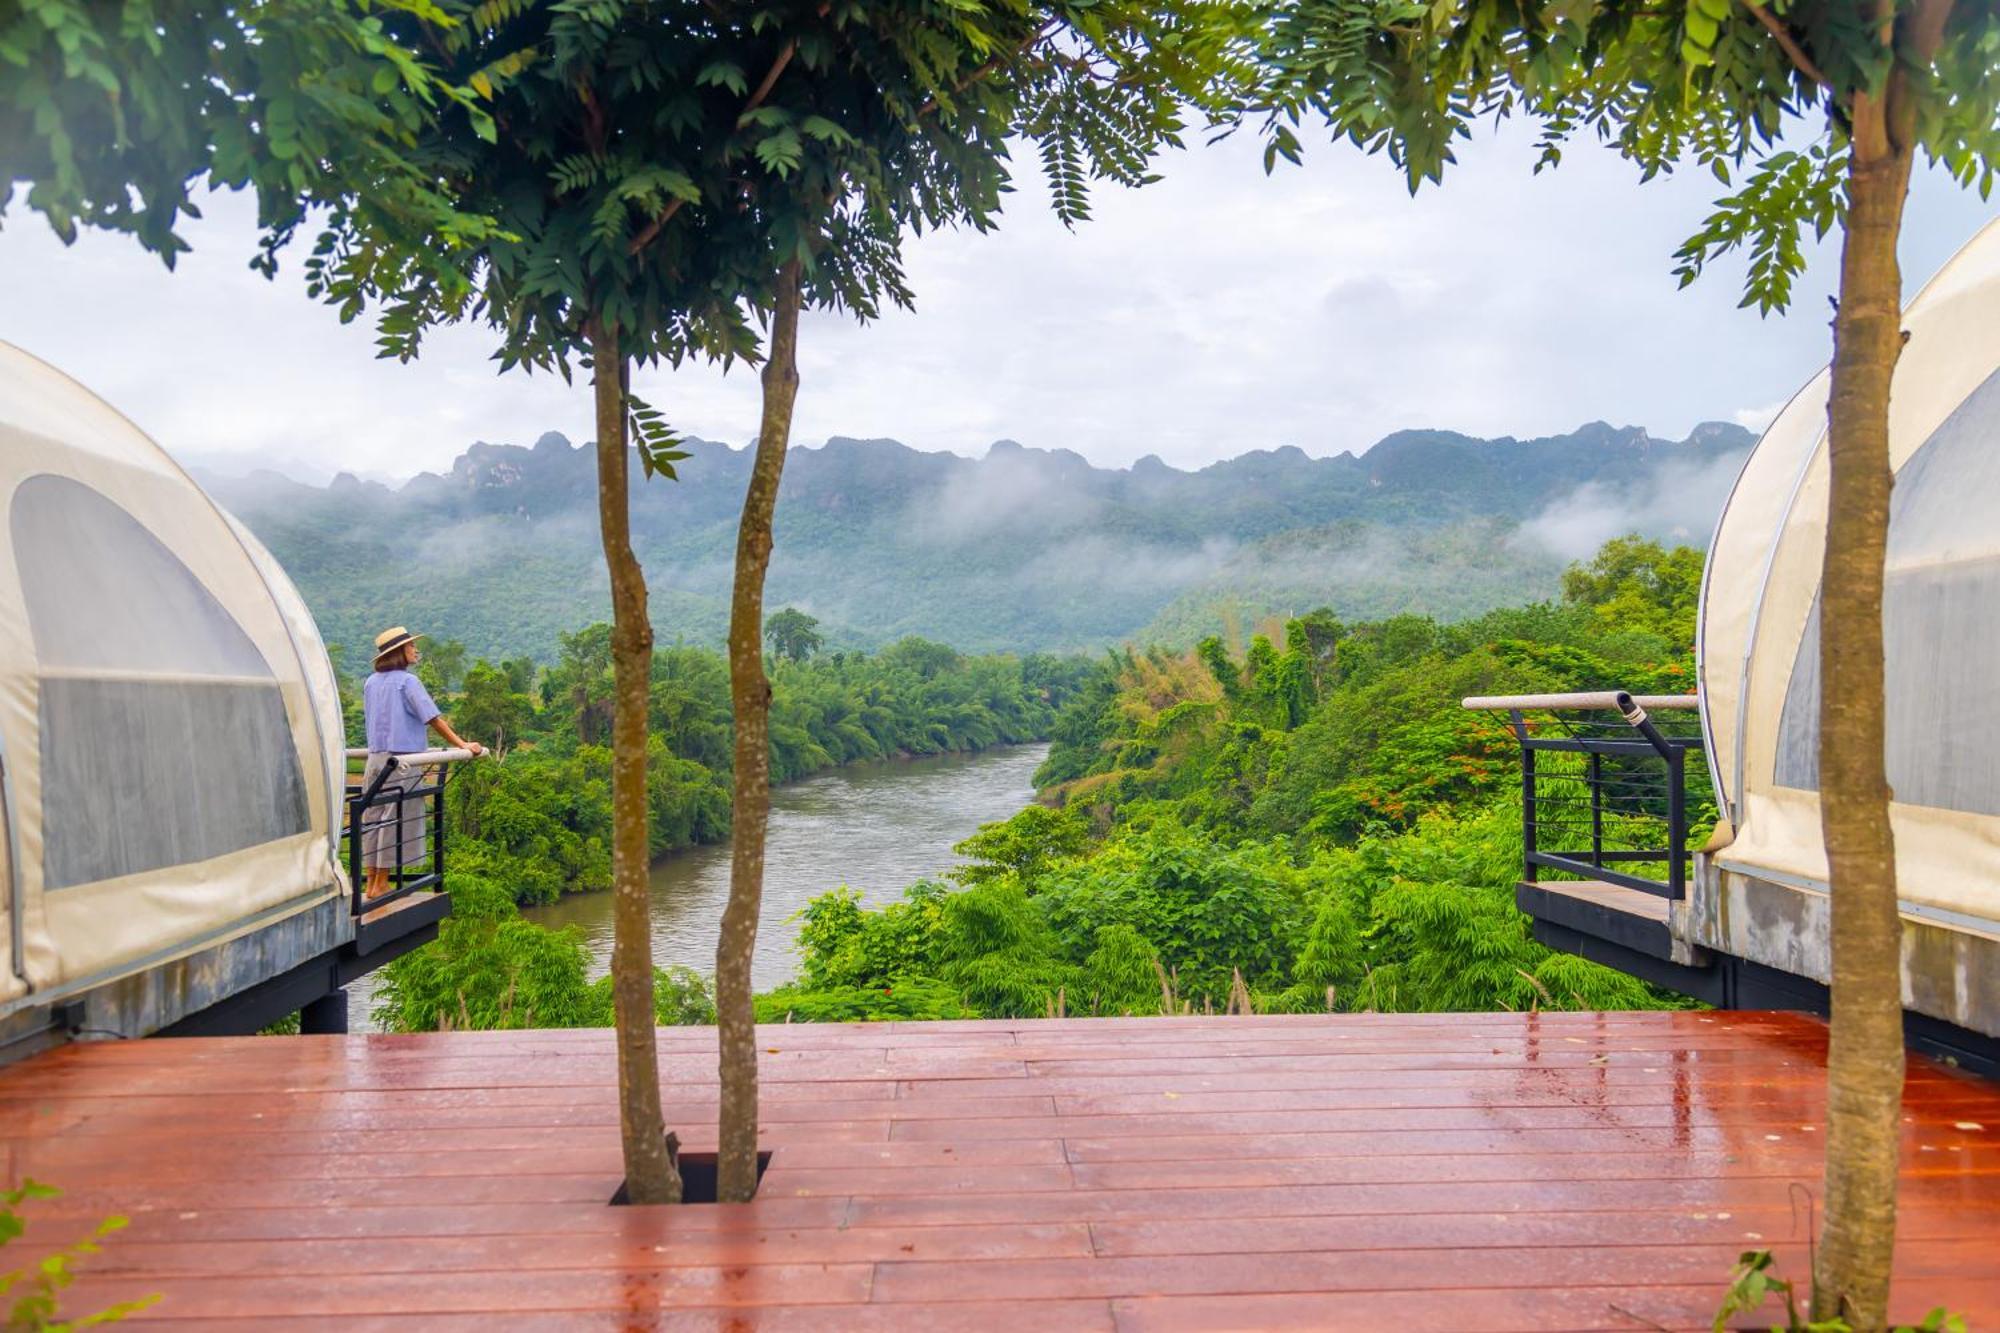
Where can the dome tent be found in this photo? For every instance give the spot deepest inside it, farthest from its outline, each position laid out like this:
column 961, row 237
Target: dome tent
column 170, row 735
column 1764, row 893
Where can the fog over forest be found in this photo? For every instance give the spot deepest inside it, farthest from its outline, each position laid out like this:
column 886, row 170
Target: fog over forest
column 1023, row 549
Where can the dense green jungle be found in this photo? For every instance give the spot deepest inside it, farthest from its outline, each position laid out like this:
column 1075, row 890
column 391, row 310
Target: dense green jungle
column 1021, row 550
column 1304, row 820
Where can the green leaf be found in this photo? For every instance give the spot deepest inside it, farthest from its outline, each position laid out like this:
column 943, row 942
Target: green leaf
column 657, row 445
column 781, row 152
column 723, row 73
column 819, row 127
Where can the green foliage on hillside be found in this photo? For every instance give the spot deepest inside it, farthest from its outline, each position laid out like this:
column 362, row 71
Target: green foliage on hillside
column 1631, row 586
column 1310, row 823
column 1361, row 571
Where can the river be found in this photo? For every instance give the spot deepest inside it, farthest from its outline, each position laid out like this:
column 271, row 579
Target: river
column 874, row 827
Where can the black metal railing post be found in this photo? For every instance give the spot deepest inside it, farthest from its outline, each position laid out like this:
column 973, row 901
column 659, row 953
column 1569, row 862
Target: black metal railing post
column 1596, row 781
column 1527, row 797
column 437, row 825
column 1676, row 824
column 402, row 795
column 354, row 874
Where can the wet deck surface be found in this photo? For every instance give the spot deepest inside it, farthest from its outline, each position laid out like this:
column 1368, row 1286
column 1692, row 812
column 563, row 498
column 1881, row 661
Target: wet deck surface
column 1462, row 1172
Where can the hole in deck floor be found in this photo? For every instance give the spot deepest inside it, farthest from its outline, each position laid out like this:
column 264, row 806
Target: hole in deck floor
column 698, row 1177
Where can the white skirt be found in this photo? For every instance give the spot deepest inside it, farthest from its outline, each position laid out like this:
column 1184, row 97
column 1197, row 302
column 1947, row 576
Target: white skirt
column 379, row 824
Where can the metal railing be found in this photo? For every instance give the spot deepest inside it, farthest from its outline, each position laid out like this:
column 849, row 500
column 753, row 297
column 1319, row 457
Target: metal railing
column 1604, row 790
column 379, row 805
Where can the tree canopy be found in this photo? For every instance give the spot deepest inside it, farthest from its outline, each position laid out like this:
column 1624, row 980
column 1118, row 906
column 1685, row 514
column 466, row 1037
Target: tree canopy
column 113, row 114
column 655, row 163
column 793, row 634
column 1725, row 87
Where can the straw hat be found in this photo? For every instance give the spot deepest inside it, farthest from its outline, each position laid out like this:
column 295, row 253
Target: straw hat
column 389, row 640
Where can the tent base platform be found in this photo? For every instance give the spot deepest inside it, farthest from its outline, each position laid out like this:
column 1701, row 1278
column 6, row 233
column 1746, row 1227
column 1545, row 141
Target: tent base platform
column 301, row 962
column 1631, row 918
column 1631, row 931
column 318, row 985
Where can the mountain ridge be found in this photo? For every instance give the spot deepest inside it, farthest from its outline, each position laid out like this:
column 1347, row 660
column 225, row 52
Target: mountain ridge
column 1024, row 548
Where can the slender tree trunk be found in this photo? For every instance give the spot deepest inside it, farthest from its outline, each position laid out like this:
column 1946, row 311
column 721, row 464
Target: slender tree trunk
column 1864, row 1066
column 750, row 693
column 650, row 1175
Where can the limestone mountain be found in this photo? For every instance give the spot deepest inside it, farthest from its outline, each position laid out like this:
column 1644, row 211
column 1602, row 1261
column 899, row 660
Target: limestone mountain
column 1021, row 549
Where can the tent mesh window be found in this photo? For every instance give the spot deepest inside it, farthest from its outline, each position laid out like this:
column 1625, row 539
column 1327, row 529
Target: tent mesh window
column 1941, row 638
column 164, row 736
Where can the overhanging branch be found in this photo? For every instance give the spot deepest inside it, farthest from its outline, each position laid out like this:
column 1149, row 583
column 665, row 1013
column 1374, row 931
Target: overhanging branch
column 763, row 90
column 992, row 63
column 1790, row 45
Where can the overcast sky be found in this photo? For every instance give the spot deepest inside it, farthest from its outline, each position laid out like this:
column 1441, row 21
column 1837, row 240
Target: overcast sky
column 1215, row 312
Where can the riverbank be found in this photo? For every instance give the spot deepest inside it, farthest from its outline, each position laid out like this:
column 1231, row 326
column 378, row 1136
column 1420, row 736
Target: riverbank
column 876, row 827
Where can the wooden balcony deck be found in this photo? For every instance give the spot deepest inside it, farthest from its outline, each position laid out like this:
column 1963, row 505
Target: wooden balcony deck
column 1464, row 1172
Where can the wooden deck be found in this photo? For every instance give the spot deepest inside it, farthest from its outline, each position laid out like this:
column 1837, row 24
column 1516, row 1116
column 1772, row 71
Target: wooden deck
column 1462, row 1172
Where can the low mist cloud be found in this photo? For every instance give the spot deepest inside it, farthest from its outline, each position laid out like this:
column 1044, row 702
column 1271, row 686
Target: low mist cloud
column 1007, row 490
column 1679, row 503
column 1118, row 565
column 477, row 543
column 460, row 547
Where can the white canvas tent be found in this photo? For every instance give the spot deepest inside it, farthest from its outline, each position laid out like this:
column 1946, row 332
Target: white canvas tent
column 1759, row 667
column 170, row 731
column 1759, row 661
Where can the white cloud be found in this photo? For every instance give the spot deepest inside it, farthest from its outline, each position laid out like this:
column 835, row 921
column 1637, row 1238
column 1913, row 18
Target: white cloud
column 1758, row 418
column 1215, row 312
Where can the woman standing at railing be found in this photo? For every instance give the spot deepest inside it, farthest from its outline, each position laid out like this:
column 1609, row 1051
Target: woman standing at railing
column 397, row 710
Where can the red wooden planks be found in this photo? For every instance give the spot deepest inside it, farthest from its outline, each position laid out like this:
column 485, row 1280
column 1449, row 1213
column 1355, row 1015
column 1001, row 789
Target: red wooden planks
column 1469, row 1171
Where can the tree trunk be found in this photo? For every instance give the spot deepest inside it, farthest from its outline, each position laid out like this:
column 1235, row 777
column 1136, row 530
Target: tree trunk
column 1864, row 1066
column 750, row 694
column 650, row 1175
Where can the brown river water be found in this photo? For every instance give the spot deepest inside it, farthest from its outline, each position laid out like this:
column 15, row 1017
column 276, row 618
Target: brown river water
column 874, row 827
